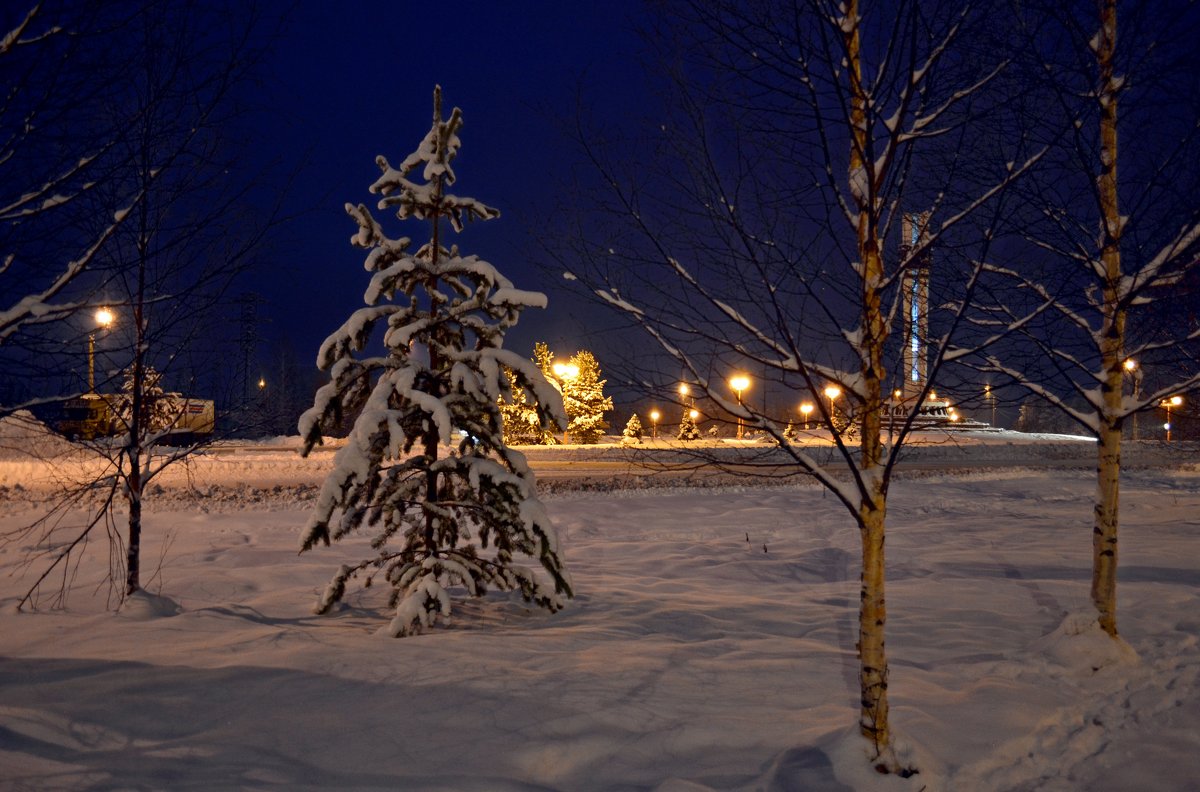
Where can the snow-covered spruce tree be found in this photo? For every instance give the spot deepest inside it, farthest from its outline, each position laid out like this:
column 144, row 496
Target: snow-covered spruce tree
column 687, row 428
column 157, row 411
column 543, row 358
column 425, row 466
column 585, row 402
column 633, row 431
column 522, row 425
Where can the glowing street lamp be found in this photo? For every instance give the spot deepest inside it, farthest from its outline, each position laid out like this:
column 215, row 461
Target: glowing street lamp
column 990, row 398
column 806, row 410
column 739, row 383
column 654, row 416
column 1174, row 401
column 565, row 372
column 685, row 396
column 832, row 392
column 104, row 318
column 1135, row 373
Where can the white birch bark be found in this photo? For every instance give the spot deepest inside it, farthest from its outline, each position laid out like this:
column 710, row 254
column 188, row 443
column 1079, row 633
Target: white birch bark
column 1112, row 338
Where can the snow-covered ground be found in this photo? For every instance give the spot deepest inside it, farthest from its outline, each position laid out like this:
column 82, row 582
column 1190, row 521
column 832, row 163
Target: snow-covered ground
column 711, row 646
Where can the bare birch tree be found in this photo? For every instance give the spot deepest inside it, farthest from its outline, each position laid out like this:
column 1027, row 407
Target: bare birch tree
column 166, row 268
column 759, row 227
column 1105, row 246
column 56, row 150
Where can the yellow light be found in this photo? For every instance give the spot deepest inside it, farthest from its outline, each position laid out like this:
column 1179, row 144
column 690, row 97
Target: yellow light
column 683, row 389
column 655, row 415
column 739, row 383
column 262, row 383
column 896, row 394
column 1176, row 401
column 105, row 317
column 693, row 414
column 566, row 371
column 933, row 394
column 833, row 391
column 1130, row 364
column 806, row 408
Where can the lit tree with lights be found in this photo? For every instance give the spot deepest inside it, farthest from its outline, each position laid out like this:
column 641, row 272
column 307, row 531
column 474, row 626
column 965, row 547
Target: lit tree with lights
column 425, row 467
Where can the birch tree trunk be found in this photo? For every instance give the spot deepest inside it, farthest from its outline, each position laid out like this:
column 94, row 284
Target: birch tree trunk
column 177, row 236
column 133, row 550
column 748, row 231
column 1112, row 336
column 135, row 482
column 872, row 618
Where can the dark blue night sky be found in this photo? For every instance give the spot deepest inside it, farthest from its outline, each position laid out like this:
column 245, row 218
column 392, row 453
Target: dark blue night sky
column 347, row 83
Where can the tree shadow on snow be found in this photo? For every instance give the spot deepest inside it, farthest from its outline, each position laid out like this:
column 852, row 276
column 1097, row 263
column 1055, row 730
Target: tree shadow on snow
column 94, row 724
column 803, row 770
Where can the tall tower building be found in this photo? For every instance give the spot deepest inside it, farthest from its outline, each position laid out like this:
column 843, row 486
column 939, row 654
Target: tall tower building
column 915, row 258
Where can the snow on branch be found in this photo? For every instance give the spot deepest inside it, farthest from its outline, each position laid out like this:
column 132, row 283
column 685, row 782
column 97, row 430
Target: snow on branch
column 1089, row 420
column 39, row 307
column 921, row 127
column 1152, row 274
column 16, row 37
column 427, row 201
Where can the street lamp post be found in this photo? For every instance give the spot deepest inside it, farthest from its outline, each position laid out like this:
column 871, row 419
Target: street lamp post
column 739, row 383
column 654, row 416
column 1135, row 373
column 991, row 398
column 685, row 400
column 806, row 410
column 832, row 392
column 104, row 318
column 565, row 372
column 1174, row 401
column 894, row 409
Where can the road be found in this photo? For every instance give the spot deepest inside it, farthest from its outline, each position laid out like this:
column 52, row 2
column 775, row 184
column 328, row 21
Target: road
column 752, row 464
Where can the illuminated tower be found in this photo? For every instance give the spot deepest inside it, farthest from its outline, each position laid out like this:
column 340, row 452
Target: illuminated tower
column 914, row 254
